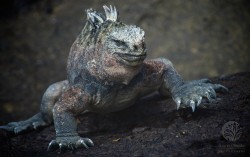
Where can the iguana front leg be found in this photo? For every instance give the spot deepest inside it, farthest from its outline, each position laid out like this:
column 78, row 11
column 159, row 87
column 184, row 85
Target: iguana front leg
column 188, row 93
column 73, row 102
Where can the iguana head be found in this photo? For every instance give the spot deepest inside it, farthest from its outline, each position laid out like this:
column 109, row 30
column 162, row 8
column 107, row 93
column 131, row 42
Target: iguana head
column 112, row 49
column 124, row 42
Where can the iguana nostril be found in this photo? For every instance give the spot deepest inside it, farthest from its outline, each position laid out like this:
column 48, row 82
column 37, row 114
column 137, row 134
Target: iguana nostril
column 136, row 47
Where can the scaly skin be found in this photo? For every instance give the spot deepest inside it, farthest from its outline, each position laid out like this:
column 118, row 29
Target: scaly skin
column 107, row 73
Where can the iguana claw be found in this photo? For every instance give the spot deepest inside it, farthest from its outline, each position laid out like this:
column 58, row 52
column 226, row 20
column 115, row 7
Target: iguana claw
column 191, row 93
column 69, row 143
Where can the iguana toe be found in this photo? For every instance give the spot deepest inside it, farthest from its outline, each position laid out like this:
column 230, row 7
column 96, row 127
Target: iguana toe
column 69, row 143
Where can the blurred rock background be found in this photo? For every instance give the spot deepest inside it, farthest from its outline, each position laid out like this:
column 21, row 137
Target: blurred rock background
column 202, row 38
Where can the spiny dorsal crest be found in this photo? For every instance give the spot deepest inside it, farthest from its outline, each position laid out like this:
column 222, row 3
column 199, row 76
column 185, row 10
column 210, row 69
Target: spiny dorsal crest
column 111, row 13
column 96, row 19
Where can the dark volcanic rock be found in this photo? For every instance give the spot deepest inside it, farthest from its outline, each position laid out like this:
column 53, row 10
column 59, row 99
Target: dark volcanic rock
column 154, row 128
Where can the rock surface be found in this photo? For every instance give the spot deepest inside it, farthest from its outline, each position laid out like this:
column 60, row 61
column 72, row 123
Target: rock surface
column 154, row 128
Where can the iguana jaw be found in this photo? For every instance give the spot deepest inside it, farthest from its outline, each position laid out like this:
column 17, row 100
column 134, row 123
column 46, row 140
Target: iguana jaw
column 131, row 59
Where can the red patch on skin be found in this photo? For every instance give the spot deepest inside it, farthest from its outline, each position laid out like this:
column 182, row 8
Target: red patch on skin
column 72, row 100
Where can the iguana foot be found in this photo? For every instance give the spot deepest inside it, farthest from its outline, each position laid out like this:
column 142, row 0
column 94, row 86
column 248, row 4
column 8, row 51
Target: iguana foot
column 64, row 143
column 32, row 123
column 191, row 93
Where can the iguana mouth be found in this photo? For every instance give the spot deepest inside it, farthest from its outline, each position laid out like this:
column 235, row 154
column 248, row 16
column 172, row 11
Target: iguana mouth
column 131, row 59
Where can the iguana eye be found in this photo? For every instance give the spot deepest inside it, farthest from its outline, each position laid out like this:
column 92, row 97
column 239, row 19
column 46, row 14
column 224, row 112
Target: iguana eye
column 120, row 43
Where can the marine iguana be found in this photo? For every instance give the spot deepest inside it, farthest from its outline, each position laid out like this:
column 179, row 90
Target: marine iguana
column 107, row 72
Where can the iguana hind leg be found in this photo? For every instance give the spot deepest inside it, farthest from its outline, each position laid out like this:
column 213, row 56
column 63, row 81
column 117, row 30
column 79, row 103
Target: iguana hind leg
column 45, row 116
